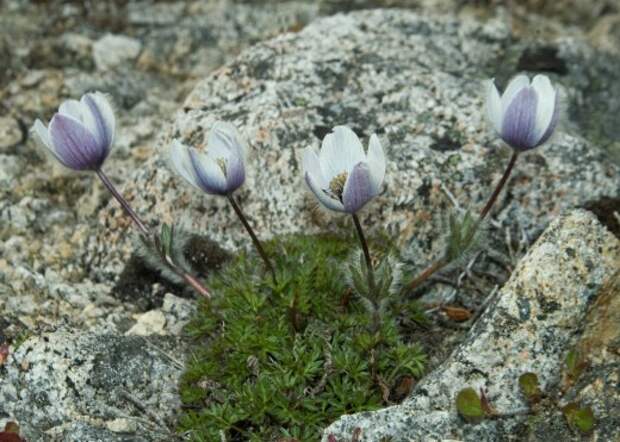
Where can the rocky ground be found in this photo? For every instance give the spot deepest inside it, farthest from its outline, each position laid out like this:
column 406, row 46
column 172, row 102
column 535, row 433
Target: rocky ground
column 77, row 303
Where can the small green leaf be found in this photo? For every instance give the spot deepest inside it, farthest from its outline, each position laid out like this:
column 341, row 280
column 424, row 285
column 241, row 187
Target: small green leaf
column 165, row 238
column 469, row 405
column 528, row 382
column 575, row 363
column 580, row 418
column 584, row 420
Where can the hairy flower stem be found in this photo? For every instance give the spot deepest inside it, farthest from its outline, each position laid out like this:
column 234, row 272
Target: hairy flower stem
column 500, row 186
column 428, row 272
column 255, row 240
column 123, row 202
column 147, row 236
column 376, row 320
column 442, row 262
column 369, row 271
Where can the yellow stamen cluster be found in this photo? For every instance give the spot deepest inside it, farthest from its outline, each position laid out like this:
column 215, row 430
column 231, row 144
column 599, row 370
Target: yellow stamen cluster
column 336, row 186
column 222, row 163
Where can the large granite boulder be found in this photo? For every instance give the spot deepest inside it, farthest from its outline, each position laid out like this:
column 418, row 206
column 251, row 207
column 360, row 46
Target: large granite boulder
column 413, row 79
column 83, row 387
column 530, row 326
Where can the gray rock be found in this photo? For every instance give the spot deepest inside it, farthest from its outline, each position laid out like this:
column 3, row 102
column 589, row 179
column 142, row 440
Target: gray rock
column 10, row 168
column 413, row 79
column 10, row 133
column 529, row 326
column 111, row 51
column 61, row 385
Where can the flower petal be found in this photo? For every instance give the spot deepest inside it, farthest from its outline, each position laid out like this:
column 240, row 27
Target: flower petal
column 209, row 175
column 514, row 87
column 42, row 135
column 546, row 104
column 341, row 150
column 181, row 162
column 553, row 123
column 72, row 108
column 311, row 165
column 326, row 200
column 99, row 118
column 493, row 105
column 235, row 173
column 518, row 128
column 74, row 145
column 358, row 188
column 376, row 162
column 224, row 144
column 224, row 141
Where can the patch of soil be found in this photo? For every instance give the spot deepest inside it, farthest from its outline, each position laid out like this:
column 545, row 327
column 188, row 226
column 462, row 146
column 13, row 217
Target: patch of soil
column 135, row 284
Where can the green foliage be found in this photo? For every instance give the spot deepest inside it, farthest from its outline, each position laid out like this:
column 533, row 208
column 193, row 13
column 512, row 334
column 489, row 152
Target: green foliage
column 581, row 418
column 462, row 235
column 166, row 239
column 469, row 406
column 528, row 382
column 286, row 359
column 575, row 364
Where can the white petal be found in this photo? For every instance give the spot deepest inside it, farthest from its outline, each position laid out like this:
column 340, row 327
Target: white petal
column 340, row 152
column 224, row 140
column 546, row 104
column 311, row 166
column 376, row 163
column 98, row 117
column 73, row 109
column 515, row 85
column 42, row 134
column 181, row 163
column 327, row 201
column 493, row 105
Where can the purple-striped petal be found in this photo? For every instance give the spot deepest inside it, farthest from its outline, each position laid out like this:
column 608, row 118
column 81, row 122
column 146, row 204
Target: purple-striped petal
column 358, row 188
column 74, row 145
column 98, row 117
column 209, row 175
column 235, row 173
column 326, row 200
column 519, row 120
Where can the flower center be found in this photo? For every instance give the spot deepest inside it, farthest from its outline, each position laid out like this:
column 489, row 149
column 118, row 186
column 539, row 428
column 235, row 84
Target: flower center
column 336, row 186
column 222, row 163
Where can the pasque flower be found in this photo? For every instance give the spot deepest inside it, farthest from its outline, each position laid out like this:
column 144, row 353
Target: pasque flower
column 219, row 170
column 81, row 133
column 526, row 115
column 341, row 175
column 80, row 136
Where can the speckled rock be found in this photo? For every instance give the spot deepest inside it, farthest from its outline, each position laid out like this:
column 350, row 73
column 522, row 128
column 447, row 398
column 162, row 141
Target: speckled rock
column 413, row 79
column 10, row 133
column 113, row 50
column 530, row 326
column 53, row 51
column 61, row 385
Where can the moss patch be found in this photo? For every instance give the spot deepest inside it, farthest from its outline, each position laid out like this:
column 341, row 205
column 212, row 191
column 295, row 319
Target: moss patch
column 276, row 361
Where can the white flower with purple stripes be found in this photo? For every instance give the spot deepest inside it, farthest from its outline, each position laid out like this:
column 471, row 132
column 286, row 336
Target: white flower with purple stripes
column 526, row 115
column 220, row 169
column 341, row 175
column 81, row 133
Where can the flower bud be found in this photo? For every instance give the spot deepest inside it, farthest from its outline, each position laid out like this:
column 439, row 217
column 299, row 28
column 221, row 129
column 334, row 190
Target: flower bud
column 526, row 114
column 219, row 170
column 81, row 133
